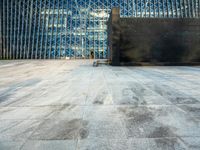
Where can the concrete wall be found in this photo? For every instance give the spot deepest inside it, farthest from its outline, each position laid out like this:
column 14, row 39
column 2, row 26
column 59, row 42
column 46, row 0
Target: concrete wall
column 113, row 36
column 1, row 26
column 136, row 41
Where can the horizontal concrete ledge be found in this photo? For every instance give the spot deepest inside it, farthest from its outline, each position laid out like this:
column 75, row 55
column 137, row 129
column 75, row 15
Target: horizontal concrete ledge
column 159, row 64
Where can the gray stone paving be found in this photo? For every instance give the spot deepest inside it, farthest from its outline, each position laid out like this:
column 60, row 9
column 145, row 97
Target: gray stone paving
column 70, row 105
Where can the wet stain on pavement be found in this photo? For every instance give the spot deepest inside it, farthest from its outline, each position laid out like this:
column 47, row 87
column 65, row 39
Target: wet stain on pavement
column 168, row 143
column 163, row 131
column 83, row 133
column 62, row 130
column 191, row 109
column 98, row 102
column 133, row 96
column 100, row 98
column 11, row 90
column 183, row 100
column 138, row 115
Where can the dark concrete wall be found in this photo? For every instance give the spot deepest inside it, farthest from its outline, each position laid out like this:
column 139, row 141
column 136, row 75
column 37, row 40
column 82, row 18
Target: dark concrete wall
column 1, row 29
column 156, row 41
column 113, row 36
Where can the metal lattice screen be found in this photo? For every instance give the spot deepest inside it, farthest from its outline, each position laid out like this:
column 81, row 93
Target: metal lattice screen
column 52, row 29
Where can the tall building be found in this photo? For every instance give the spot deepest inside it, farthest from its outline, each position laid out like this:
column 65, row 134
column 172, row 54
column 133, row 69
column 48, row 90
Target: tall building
column 54, row 29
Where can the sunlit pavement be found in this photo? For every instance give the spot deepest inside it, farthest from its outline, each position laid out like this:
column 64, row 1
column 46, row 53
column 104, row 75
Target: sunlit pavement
column 70, row 105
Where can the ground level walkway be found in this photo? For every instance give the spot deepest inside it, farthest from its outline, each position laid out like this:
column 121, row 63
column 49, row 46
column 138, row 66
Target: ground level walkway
column 71, row 105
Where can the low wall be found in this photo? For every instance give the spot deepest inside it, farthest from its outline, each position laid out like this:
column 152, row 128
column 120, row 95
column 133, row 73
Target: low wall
column 138, row 41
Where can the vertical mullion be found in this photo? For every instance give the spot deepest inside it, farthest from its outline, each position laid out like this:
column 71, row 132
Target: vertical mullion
column 94, row 35
column 4, row 30
column 86, row 46
column 133, row 5
column 47, row 30
column 136, row 8
column 124, row 13
column 33, row 38
column 18, row 34
column 198, row 8
column 76, row 32
column 149, row 8
column 192, row 9
column 71, row 30
column 15, row 30
column 141, row 9
column 195, row 7
column 185, row 11
column 159, row 8
column 172, row 8
column 30, row 29
column 22, row 30
column 87, row 39
column 82, row 19
column 76, row 27
column 52, row 29
column 158, row 3
column 189, row 9
column 103, row 31
column 181, row 11
column 163, row 8
column 107, row 10
column 145, row 8
column 27, row 21
column 43, row 26
column 61, row 33
column 57, row 21
column 7, row 52
column 89, row 32
column 11, row 29
column 167, row 5
column 66, row 30
column 99, row 33
column 154, row 8
column 43, row 10
column 177, row 13
column 128, row 15
column 127, row 4
column 169, row 8
column 198, row 11
column 38, row 31
column 79, row 29
column 98, row 41
column 83, row 31
column 109, row 15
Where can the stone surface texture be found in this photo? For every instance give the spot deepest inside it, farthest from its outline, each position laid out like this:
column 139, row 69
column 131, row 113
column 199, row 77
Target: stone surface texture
column 70, row 105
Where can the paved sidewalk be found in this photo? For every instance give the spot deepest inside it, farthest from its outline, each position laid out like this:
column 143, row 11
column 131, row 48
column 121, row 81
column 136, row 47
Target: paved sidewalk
column 71, row 105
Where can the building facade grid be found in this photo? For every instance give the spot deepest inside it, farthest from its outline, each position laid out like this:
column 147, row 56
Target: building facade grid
column 55, row 29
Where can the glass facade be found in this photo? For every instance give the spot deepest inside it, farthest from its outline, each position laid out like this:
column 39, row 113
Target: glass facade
column 54, row 29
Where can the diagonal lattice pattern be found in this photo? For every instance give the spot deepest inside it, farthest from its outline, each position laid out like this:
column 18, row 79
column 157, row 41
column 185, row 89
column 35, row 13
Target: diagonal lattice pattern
column 53, row 29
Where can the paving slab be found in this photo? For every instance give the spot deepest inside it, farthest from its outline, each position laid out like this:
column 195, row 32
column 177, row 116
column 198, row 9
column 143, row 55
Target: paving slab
column 71, row 105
